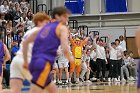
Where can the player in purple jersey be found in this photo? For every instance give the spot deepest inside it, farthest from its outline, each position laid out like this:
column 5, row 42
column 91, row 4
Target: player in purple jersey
column 4, row 57
column 138, row 46
column 46, row 43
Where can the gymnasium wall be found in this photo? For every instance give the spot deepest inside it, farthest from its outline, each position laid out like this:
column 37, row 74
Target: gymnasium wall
column 106, row 23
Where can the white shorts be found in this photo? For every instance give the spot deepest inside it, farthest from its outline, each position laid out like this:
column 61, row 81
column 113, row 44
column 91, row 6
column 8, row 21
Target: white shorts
column 17, row 71
column 63, row 64
column 55, row 65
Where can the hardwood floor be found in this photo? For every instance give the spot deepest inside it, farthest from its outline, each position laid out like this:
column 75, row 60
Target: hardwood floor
column 118, row 87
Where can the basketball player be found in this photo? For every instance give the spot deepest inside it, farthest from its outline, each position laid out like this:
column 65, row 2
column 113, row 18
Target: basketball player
column 17, row 73
column 46, row 42
column 4, row 57
column 138, row 46
column 63, row 64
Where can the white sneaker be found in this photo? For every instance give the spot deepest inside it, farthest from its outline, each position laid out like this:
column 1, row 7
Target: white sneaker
column 123, row 80
column 93, row 79
column 60, row 82
column 77, row 82
column 129, row 79
column 112, row 79
column 115, row 80
column 88, row 81
column 132, row 78
column 67, row 81
column 109, row 79
column 119, row 80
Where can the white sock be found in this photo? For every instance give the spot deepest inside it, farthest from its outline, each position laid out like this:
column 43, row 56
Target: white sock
column 77, row 79
column 69, row 79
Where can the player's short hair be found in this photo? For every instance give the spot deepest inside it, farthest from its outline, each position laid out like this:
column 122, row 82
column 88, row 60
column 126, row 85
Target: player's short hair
column 40, row 16
column 60, row 11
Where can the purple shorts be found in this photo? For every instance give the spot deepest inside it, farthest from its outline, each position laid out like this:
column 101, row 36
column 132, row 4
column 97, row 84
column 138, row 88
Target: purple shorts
column 0, row 69
column 40, row 70
column 138, row 83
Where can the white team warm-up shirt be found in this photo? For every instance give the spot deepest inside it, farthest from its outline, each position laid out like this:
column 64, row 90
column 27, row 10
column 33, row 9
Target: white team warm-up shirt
column 113, row 53
column 93, row 55
column 123, row 45
column 119, row 52
column 100, row 51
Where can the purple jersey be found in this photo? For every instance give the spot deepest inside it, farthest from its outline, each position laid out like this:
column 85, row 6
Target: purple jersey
column 1, row 51
column 138, row 83
column 46, row 43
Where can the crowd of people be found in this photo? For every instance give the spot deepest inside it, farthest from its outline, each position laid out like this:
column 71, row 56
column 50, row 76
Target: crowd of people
column 95, row 59
column 16, row 17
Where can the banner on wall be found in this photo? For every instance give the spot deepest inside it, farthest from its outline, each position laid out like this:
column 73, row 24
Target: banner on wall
column 76, row 6
column 116, row 5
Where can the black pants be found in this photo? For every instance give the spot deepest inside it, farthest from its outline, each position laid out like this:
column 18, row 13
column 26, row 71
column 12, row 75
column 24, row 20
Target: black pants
column 113, row 69
column 119, row 62
column 93, row 67
column 101, row 67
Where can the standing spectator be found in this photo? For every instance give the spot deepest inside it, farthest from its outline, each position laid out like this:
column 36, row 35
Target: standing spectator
column 9, row 27
column 29, row 24
column 4, row 7
column 120, row 55
column 18, row 11
column 77, row 46
column 24, row 3
column 101, row 58
column 25, row 10
column 113, row 62
column 14, row 49
column 11, row 12
column 22, row 6
column 93, row 64
column 122, row 43
column 85, row 68
column 2, row 19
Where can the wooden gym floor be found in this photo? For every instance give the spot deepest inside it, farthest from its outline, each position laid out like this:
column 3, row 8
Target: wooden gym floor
column 117, row 87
